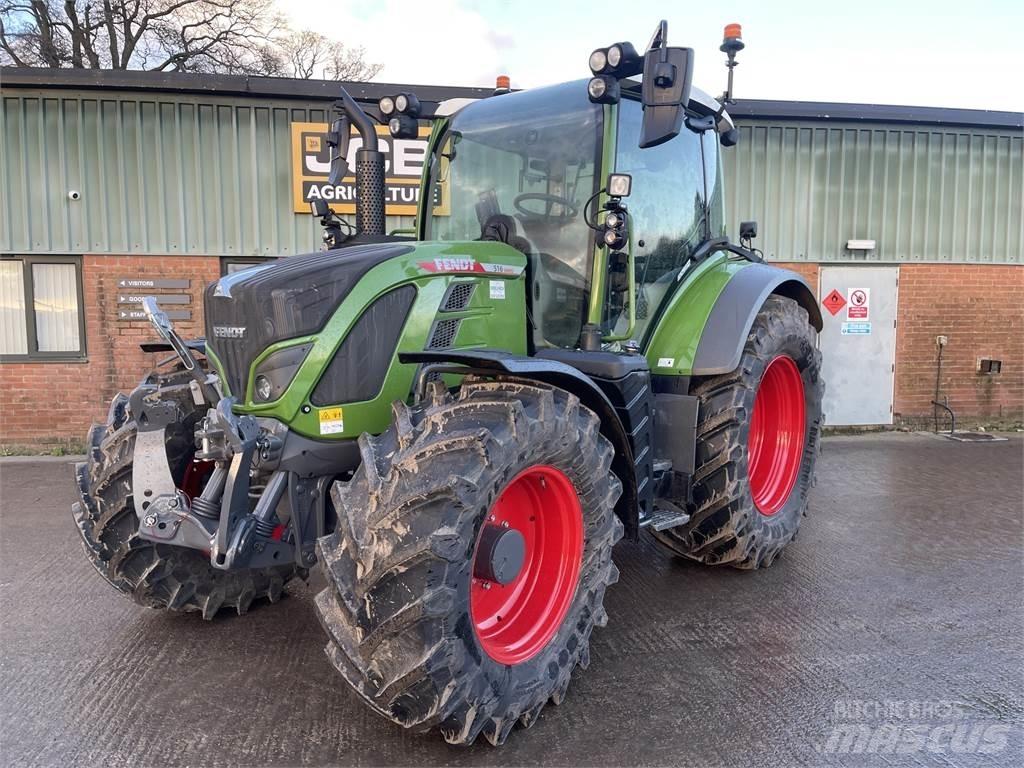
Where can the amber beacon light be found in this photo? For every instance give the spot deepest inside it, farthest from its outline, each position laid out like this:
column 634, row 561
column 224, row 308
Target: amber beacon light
column 732, row 43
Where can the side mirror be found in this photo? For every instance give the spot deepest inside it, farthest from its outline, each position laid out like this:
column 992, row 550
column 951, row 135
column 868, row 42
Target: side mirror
column 668, row 75
column 337, row 139
column 730, row 138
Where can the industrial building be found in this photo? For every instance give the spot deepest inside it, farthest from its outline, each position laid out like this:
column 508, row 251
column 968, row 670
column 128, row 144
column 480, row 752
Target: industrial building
column 907, row 222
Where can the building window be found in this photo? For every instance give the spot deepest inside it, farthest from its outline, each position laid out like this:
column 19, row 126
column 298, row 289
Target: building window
column 41, row 314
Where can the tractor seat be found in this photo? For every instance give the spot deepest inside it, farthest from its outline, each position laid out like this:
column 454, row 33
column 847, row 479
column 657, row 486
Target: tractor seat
column 502, row 228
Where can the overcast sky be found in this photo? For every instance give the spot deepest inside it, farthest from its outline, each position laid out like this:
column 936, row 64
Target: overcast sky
column 963, row 53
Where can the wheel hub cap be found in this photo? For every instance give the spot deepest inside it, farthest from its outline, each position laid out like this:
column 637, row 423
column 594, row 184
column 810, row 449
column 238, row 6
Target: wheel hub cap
column 500, row 554
column 526, row 564
column 776, row 442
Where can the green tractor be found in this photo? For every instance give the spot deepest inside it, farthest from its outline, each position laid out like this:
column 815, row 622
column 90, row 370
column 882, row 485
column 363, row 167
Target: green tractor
column 457, row 427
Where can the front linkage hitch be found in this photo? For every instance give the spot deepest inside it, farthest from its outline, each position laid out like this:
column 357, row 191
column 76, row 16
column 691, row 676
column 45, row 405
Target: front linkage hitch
column 219, row 521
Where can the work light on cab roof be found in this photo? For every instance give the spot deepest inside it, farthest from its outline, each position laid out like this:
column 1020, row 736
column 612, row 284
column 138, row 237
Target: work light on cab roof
column 401, row 112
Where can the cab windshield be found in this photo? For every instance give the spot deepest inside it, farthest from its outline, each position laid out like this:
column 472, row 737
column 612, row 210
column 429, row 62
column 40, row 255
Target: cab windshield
column 519, row 169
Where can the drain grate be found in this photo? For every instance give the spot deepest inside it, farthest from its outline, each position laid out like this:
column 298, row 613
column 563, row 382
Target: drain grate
column 974, row 437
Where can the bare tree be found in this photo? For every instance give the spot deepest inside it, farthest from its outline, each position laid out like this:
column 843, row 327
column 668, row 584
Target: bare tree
column 229, row 36
column 309, row 54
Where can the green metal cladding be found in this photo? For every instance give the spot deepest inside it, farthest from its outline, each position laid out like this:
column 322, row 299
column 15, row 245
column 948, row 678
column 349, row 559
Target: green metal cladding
column 207, row 174
column 922, row 194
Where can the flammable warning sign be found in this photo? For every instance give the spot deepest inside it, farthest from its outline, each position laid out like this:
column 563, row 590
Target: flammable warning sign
column 834, row 302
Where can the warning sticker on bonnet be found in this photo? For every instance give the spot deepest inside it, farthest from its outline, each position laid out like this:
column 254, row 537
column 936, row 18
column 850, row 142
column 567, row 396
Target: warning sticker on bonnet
column 331, row 421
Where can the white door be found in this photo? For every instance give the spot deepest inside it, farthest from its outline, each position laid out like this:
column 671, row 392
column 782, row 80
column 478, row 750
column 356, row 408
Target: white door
column 858, row 343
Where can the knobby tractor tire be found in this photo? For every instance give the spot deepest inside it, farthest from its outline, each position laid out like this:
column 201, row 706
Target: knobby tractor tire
column 153, row 575
column 727, row 527
column 399, row 567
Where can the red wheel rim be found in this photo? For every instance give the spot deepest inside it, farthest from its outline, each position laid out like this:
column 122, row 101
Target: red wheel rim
column 513, row 622
column 776, row 443
column 196, row 475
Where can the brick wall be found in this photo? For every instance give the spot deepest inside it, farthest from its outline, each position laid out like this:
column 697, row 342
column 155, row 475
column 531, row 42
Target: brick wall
column 808, row 270
column 54, row 403
column 980, row 308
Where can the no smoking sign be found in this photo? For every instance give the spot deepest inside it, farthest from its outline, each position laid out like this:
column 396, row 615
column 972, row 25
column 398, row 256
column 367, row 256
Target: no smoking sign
column 858, row 300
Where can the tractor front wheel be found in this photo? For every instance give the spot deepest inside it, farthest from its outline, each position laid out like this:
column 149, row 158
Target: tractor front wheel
column 156, row 575
column 758, row 430
column 471, row 558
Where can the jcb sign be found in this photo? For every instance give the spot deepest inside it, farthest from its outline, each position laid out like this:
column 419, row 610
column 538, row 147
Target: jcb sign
column 404, row 160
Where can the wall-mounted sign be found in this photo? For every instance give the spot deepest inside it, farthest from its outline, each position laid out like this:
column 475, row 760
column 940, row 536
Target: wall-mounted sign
column 834, row 301
column 152, row 282
column 858, row 306
column 403, row 160
column 138, row 314
column 162, row 298
column 856, row 329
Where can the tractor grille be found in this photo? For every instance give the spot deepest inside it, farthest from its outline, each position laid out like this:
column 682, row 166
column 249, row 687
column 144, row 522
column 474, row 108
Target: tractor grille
column 361, row 363
column 249, row 310
column 444, row 334
column 457, row 297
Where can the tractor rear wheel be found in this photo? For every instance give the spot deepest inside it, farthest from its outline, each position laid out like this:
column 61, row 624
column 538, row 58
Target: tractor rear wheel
column 758, row 431
column 155, row 575
column 471, row 558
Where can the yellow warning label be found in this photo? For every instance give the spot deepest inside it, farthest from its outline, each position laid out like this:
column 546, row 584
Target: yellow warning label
column 331, row 421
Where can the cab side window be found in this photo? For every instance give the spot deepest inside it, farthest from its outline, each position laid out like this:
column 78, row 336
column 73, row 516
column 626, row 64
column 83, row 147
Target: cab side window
column 713, row 183
column 666, row 206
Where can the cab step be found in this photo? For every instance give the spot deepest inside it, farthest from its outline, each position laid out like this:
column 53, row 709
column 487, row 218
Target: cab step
column 661, row 519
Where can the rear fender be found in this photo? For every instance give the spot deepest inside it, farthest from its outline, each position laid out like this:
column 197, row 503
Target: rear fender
column 704, row 328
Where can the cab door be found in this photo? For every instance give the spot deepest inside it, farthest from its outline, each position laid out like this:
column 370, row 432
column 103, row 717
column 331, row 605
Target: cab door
column 667, row 206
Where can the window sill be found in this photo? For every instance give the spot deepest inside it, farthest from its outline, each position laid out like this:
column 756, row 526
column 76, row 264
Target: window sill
column 32, row 359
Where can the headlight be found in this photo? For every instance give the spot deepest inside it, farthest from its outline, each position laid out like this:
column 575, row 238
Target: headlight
column 275, row 372
column 386, row 105
column 614, row 56
column 402, row 102
column 620, row 184
column 598, row 61
column 262, row 388
column 603, row 89
column 612, row 220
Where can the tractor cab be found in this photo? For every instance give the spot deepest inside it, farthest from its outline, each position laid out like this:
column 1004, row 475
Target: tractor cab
column 522, row 169
column 531, row 169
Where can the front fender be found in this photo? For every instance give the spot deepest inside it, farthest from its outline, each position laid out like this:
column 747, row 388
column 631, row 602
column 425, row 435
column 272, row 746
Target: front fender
column 495, row 363
column 704, row 327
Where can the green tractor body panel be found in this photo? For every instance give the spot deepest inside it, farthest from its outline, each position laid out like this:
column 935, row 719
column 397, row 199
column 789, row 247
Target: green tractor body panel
column 494, row 316
column 672, row 343
column 704, row 325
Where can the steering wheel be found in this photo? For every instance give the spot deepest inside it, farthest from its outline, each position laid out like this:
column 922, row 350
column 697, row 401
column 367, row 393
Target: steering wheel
column 569, row 208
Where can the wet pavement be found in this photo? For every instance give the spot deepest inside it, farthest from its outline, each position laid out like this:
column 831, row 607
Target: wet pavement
column 890, row 633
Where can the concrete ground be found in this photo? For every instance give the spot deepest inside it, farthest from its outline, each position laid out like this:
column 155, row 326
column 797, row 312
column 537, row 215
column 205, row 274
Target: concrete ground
column 889, row 633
